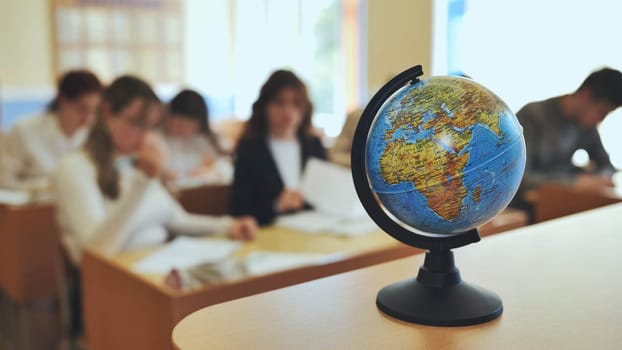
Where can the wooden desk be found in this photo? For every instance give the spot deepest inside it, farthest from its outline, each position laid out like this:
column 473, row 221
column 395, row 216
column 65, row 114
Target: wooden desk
column 509, row 219
column 29, row 251
column 124, row 310
column 559, row 281
column 554, row 201
column 30, row 262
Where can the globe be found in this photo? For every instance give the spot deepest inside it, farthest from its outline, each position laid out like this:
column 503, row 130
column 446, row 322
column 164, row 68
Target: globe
column 432, row 160
column 444, row 155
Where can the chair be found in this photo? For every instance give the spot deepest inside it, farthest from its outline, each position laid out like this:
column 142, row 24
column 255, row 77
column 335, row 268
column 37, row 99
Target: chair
column 208, row 199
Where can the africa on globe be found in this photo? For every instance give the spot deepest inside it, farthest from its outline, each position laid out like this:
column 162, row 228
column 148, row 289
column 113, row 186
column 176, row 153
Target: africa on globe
column 444, row 155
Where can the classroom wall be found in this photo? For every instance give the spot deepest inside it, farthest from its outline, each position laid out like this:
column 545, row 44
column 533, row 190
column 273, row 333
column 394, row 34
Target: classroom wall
column 399, row 36
column 26, row 59
column 25, row 44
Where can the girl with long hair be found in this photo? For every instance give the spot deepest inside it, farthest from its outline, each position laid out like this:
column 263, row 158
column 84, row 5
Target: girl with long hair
column 276, row 143
column 196, row 152
column 110, row 197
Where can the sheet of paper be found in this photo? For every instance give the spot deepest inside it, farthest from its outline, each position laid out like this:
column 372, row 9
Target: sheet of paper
column 330, row 189
column 309, row 221
column 11, row 197
column 260, row 263
column 185, row 252
column 358, row 227
column 188, row 183
column 314, row 222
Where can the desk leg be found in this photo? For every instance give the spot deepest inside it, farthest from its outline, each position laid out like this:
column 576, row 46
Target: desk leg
column 29, row 325
column 24, row 324
column 14, row 324
column 6, row 326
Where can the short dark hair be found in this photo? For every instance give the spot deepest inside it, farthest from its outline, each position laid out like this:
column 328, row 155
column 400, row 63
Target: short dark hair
column 604, row 84
column 74, row 84
column 190, row 104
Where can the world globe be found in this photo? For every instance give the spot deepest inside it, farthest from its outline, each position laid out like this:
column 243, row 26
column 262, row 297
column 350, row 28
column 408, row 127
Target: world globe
column 431, row 161
column 444, row 155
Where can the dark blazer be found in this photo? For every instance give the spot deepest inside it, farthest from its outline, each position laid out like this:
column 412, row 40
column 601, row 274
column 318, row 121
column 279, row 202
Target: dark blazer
column 256, row 180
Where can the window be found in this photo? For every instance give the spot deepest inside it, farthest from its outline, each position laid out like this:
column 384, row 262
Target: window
column 530, row 50
column 243, row 41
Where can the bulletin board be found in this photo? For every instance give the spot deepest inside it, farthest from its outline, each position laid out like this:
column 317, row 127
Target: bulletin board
column 114, row 37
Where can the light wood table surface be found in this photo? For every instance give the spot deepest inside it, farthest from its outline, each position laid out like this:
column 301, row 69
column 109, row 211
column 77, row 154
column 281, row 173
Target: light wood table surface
column 30, row 249
column 555, row 201
column 560, row 283
column 125, row 310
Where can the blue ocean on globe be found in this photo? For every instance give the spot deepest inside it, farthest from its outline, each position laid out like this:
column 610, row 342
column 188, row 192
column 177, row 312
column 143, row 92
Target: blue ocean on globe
column 445, row 155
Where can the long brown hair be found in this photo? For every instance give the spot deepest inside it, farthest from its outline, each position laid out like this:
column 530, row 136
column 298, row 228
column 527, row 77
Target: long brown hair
column 74, row 84
column 99, row 146
column 257, row 124
column 190, row 104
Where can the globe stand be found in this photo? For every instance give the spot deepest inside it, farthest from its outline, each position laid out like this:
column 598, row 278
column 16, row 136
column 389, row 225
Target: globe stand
column 438, row 296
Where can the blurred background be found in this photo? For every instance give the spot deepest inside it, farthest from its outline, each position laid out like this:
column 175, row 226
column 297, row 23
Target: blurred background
column 344, row 49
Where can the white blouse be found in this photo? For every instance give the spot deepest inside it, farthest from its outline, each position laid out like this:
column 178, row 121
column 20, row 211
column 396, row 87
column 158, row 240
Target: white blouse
column 30, row 152
column 187, row 154
column 286, row 154
column 141, row 216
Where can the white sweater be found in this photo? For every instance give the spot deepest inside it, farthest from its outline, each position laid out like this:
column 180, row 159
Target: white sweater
column 187, row 154
column 32, row 149
column 141, row 216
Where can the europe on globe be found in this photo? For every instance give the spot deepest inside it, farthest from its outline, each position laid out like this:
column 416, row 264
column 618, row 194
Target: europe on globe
column 444, row 155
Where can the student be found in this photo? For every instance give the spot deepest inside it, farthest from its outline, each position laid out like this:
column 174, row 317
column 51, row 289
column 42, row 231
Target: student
column 555, row 128
column 34, row 146
column 194, row 149
column 109, row 195
column 273, row 150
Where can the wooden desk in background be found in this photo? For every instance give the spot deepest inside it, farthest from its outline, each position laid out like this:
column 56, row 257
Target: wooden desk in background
column 29, row 251
column 559, row 282
column 555, row 201
column 124, row 310
column 30, row 262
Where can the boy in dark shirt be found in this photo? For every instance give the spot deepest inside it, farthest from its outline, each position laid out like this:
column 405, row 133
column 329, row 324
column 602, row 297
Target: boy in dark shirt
column 556, row 128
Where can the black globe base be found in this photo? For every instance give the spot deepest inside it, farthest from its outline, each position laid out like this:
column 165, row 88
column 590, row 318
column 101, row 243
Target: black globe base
column 438, row 296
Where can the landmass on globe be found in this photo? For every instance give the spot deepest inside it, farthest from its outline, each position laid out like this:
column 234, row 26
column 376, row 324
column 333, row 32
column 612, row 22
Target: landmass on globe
column 429, row 137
